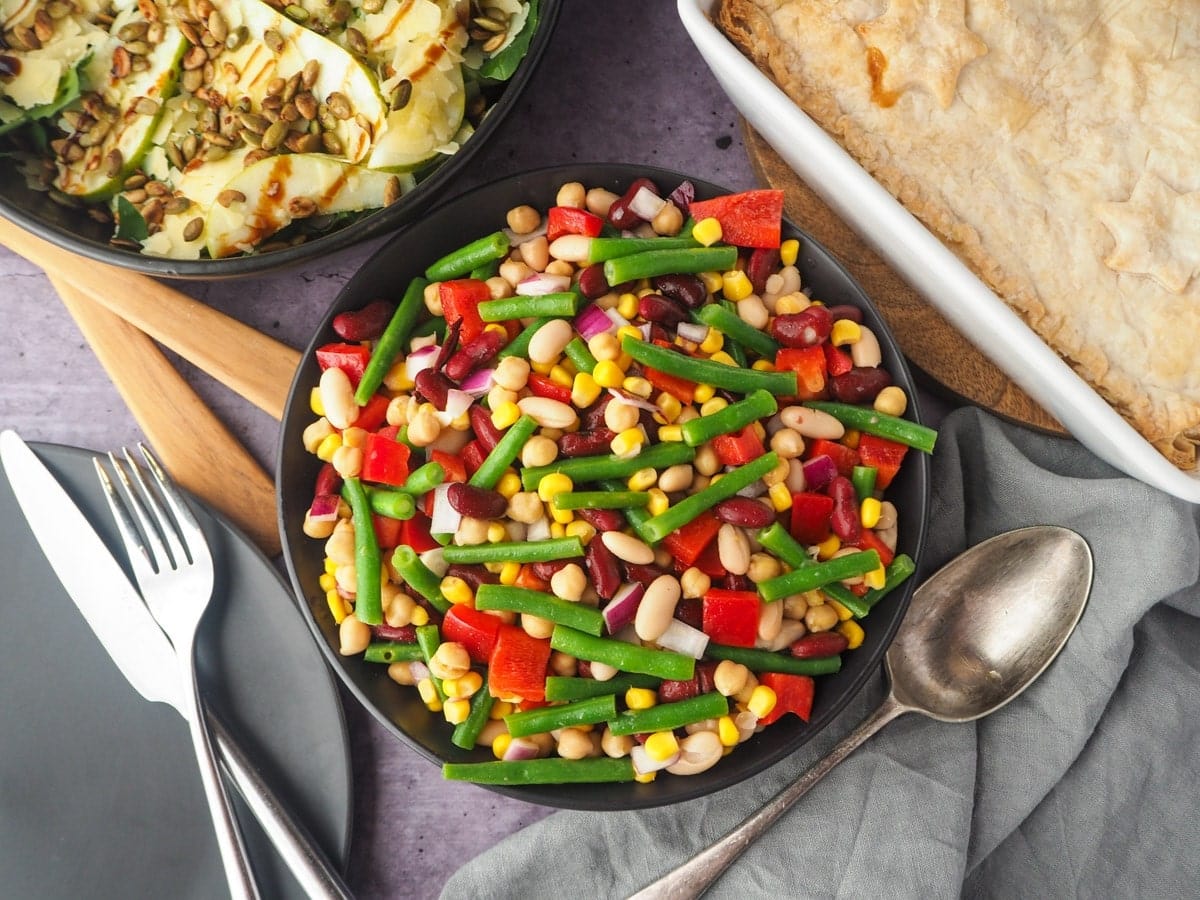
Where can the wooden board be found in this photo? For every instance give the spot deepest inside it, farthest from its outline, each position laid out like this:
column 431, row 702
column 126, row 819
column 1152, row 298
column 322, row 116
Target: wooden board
column 930, row 342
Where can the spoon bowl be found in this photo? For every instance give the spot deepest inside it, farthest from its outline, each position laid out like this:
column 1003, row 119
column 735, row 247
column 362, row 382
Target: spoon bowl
column 977, row 633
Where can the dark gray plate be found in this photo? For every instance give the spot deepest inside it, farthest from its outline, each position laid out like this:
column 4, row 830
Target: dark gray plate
column 99, row 791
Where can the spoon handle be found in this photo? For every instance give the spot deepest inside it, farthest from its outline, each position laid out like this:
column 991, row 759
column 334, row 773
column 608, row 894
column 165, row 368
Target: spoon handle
column 694, row 877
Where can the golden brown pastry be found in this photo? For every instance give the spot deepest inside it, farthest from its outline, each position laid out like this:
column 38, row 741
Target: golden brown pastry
column 1055, row 147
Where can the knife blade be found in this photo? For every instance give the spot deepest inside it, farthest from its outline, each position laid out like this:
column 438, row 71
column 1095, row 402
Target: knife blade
column 116, row 614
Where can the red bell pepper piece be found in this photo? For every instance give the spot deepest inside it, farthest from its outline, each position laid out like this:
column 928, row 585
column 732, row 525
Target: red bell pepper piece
column 793, row 694
column 748, row 219
column 460, row 303
column 473, row 629
column 517, row 666
column 731, row 617
column 452, row 465
column 388, row 531
column 869, row 540
column 811, row 517
column 414, row 533
column 528, row 578
column 562, row 220
column 837, row 360
column 709, row 562
column 680, row 388
column 350, row 358
column 385, row 460
column 886, row 456
column 845, row 458
column 374, row 414
column 810, row 366
column 738, row 447
column 687, row 543
column 541, row 386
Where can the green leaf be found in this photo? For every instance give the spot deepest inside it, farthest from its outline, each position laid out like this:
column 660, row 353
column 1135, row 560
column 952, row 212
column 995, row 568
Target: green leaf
column 501, row 66
column 130, row 224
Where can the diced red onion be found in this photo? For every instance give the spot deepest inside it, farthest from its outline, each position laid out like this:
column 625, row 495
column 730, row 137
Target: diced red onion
column 422, row 340
column 645, row 330
column 644, row 763
column 445, row 518
column 616, row 318
column 683, row 195
column 324, row 508
column 819, row 471
column 634, row 400
column 646, row 203
column 692, row 331
column 754, row 489
column 592, row 321
column 419, row 669
column 420, row 360
column 516, row 240
column 538, row 531
column 435, row 561
column 479, row 382
column 683, row 638
column 521, row 749
column 540, row 283
column 457, row 403
column 623, row 606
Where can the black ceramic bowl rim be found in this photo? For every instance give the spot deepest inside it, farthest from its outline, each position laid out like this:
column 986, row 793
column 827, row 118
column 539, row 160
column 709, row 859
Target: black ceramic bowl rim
column 375, row 224
column 399, row 709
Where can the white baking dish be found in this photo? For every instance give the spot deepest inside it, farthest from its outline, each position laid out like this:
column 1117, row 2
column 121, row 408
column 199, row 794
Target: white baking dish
column 933, row 270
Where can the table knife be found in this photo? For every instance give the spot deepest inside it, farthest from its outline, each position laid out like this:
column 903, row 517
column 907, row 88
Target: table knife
column 115, row 612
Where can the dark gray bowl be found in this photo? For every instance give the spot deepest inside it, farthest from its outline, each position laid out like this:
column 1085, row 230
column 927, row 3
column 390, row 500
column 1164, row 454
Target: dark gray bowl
column 400, row 709
column 75, row 230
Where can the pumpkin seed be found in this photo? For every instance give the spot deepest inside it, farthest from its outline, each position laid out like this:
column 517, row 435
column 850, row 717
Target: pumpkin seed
column 339, row 105
column 177, row 205
column 145, row 106
column 193, row 229
column 273, row 40
column 229, row 196
column 113, row 163
column 217, row 26
column 392, row 191
column 493, row 43
column 402, row 95
column 274, row 135
column 356, row 41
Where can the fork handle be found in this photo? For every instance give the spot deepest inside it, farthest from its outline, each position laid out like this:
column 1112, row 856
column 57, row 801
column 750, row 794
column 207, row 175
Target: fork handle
column 311, row 868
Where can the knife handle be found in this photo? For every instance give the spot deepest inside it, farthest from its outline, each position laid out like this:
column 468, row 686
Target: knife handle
column 312, row 869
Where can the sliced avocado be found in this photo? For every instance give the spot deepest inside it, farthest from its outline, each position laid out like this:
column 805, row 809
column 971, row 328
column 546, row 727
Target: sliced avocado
column 281, row 188
column 426, row 125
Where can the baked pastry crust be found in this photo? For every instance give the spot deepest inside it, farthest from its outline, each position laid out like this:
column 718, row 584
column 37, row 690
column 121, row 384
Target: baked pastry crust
column 1055, row 148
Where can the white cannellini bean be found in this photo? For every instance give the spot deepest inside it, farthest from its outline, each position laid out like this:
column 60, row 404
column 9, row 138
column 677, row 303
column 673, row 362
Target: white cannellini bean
column 628, row 548
column 337, row 398
column 865, row 351
column 571, row 247
column 657, row 609
column 697, row 753
column 353, row 636
column 812, row 423
column 549, row 341
column 733, row 549
column 547, row 412
column 770, row 621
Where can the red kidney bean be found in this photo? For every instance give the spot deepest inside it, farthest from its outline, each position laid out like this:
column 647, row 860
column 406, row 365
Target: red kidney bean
column 662, row 310
column 704, row 675
column 486, row 433
column 687, row 289
column 738, row 583
column 328, row 480
column 690, row 611
column 433, row 386
column 583, row 668
column 586, row 443
column 603, row 568
column 603, row 519
column 476, row 353
column 474, row 576
column 763, row 262
column 364, row 324
column 405, row 634
column 593, row 418
column 619, row 214
column 846, row 522
column 548, row 569
column 449, row 346
column 643, row 575
column 683, row 195
column 861, row 384
column 670, row 691
column 476, row 502
column 808, row 328
column 744, row 512
column 592, row 283
column 821, row 644
column 846, row 311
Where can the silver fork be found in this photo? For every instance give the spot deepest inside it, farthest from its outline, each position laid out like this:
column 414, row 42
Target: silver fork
column 173, row 567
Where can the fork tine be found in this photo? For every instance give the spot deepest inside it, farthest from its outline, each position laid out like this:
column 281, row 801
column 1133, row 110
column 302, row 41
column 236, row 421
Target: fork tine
column 139, row 556
column 155, row 526
column 193, row 537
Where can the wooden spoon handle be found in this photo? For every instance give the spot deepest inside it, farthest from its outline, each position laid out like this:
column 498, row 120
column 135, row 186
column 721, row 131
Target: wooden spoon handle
column 192, row 442
column 242, row 358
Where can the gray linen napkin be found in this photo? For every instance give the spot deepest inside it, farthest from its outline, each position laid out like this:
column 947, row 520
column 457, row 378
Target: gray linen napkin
column 1088, row 785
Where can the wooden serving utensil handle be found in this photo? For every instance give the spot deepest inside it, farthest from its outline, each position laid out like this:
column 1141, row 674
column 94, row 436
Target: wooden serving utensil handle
column 242, row 358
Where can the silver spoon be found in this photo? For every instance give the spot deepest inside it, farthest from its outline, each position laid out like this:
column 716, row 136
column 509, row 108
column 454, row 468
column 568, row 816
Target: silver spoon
column 977, row 633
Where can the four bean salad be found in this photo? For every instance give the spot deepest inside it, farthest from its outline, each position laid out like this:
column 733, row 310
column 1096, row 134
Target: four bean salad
column 607, row 486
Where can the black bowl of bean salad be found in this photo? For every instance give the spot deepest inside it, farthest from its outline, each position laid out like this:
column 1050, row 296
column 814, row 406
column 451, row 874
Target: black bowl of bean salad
column 750, row 504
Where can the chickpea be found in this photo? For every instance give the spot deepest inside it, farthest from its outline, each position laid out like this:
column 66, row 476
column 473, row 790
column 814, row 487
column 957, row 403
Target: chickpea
column 401, row 673
column 498, row 288
column 795, row 606
column 399, row 610
column 433, row 299
column 500, row 395
column 536, row 253
column 512, row 373
column 560, row 267
column 569, row 582
column 538, row 451
column 787, row 443
column 397, row 411
column 762, row 567
column 354, row 636
column 743, row 696
column 563, row 664
column 668, row 221
column 319, row 529
column 450, row 660
column 423, row 428
column 821, row 618
column 571, row 194
column 619, row 415
column 340, row 546
column 694, row 583
column 615, row 745
column 525, row 507
column 706, row 462
column 730, row 677
column 523, row 219
column 604, row 346
column 599, row 201
column 514, row 271
column 779, row 473
column 317, row 432
column 574, row 744
column 347, row 461
column 536, row 627
column 471, row 531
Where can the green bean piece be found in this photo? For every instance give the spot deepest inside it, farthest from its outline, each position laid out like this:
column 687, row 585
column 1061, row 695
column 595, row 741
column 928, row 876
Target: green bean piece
column 705, row 371
column 423, row 480
column 428, row 639
column 492, row 468
column 519, row 346
column 485, row 271
column 515, row 551
column 866, row 419
column 668, row 716
column 690, row 507
column 731, row 325
column 769, row 661
column 601, row 499
column 541, row 604
column 555, row 306
column 466, row 732
column 464, row 259
column 776, row 539
column 551, row 770
column 394, row 504
column 736, row 353
column 392, row 341
column 669, row 262
column 843, row 595
column 368, row 601
column 603, row 249
column 758, row 405
column 622, row 655
column 577, row 351
column 897, row 572
column 818, row 575
column 550, row 718
column 392, row 651
column 636, row 516
column 863, row 479
column 419, row 577
column 435, row 326
column 594, row 468
column 563, row 687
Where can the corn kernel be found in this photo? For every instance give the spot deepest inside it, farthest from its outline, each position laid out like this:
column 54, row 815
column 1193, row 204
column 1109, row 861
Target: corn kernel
column 845, row 331
column 456, row 711
column 585, row 531
column 828, row 547
column 496, row 533
column 790, row 304
column 640, row 698
column 712, row 281
column 461, row 422
column 628, row 442
column 327, row 581
column 509, row 485
column 891, row 401
column 629, row 331
column 645, row 777
column 584, row 390
column 500, row 709
column 789, row 250
column 853, row 633
column 337, row 606
column 715, row 478
column 707, row 231
column 500, row 742
column 715, row 405
column 568, row 365
column 736, row 286
column 509, row 572
column 638, row 386
column 760, row 430
column 397, row 377
column 314, row 402
column 420, row 616
column 608, row 374
column 558, row 530
column 505, row 414
column 780, row 496
column 876, row 578
column 670, row 433
column 328, row 447
column 669, row 406
column 704, row 393
column 330, row 566
column 429, row 694
column 561, row 376
column 543, row 368
column 869, row 511
column 455, row 590
column 661, row 745
column 851, row 438
column 493, row 567
column 762, row 700
column 842, row 612
column 550, row 486
column 763, row 365
column 464, row 686
column 713, row 341
column 627, row 306
column 727, row 731
column 642, row 479
column 561, row 516
column 658, row 502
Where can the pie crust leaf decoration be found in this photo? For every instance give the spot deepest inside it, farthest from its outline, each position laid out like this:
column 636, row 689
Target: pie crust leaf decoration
column 923, row 44
column 1157, row 233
